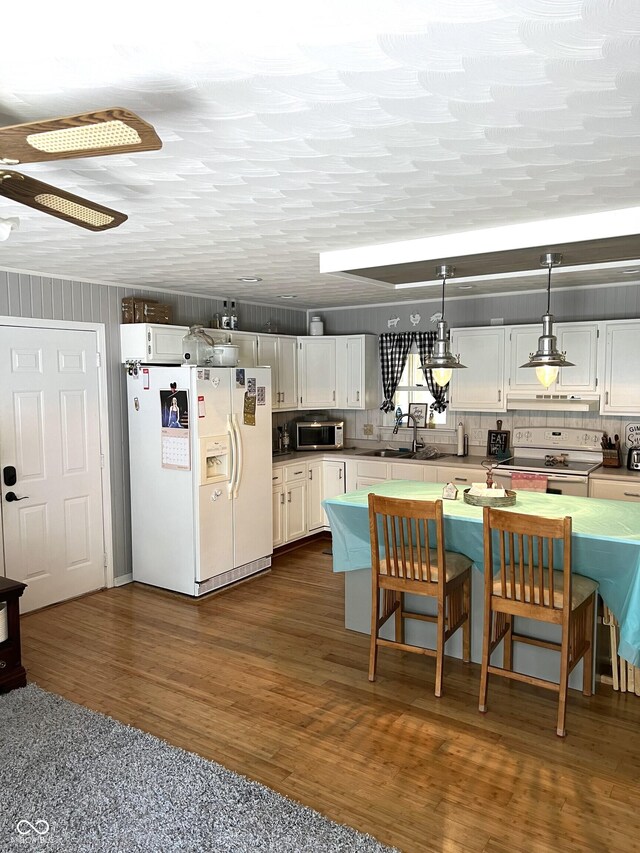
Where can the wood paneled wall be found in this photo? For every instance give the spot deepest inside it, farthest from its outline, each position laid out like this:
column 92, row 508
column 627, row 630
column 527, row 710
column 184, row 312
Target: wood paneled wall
column 23, row 295
column 571, row 305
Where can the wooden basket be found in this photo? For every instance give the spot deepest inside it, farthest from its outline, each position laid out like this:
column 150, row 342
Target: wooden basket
column 611, row 458
column 475, row 500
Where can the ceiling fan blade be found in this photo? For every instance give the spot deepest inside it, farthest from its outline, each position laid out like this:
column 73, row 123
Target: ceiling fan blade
column 110, row 131
column 64, row 205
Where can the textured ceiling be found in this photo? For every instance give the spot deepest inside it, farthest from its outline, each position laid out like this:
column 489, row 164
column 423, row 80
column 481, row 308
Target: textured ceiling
column 288, row 136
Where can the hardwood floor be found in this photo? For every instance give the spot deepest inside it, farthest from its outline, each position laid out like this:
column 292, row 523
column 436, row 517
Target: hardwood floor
column 265, row 680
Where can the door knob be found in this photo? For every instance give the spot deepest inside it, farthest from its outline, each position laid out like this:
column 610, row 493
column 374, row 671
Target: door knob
column 11, row 496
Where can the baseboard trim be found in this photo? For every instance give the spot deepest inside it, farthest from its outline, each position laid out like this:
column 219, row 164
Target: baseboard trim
column 122, row 580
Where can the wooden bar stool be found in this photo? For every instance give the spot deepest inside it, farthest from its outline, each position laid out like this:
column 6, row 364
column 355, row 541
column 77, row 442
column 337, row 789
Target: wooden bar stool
column 523, row 587
column 411, row 558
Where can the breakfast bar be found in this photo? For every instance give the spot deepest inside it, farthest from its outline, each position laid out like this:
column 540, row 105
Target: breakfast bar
column 606, row 548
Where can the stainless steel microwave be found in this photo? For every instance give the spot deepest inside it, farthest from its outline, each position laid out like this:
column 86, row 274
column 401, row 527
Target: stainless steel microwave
column 319, row 435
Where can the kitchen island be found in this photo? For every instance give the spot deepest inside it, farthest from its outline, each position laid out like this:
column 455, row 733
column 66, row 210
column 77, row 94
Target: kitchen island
column 606, row 547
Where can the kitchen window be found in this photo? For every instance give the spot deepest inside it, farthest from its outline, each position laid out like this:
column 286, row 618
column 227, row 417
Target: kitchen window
column 412, row 388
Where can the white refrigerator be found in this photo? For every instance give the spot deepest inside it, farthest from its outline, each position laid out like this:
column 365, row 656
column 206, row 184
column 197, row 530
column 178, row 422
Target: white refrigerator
column 200, row 459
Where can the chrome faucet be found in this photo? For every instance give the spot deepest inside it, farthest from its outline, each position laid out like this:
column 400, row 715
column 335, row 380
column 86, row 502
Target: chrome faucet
column 415, row 444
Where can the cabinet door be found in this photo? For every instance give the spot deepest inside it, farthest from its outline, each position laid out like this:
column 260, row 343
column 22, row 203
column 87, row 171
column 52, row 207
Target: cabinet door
column 317, row 365
column 296, row 509
column 333, row 483
column 580, row 342
column 288, row 372
column 247, row 348
column 479, row 387
column 406, row 471
column 315, row 516
column 268, row 357
column 524, row 341
column 278, row 516
column 164, row 345
column 355, row 373
column 621, row 374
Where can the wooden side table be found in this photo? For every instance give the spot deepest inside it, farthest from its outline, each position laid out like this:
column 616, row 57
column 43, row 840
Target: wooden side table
column 12, row 673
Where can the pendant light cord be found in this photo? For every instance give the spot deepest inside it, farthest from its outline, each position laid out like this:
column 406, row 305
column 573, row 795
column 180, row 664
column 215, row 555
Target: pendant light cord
column 444, row 278
column 549, row 289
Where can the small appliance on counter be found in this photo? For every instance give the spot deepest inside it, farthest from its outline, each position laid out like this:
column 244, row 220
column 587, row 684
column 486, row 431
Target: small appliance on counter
column 319, row 435
column 633, row 459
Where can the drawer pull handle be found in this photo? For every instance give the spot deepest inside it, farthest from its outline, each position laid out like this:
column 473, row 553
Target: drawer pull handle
column 288, row 497
column 297, row 472
column 460, row 479
column 632, row 494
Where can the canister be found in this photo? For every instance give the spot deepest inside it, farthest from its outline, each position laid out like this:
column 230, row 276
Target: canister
column 316, row 326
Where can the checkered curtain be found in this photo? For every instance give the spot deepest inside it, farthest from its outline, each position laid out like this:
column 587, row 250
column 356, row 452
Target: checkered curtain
column 394, row 350
column 424, row 342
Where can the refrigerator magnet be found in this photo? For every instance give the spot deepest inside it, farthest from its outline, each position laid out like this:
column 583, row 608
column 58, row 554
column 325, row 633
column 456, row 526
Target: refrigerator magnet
column 145, row 378
column 240, row 377
column 249, row 410
column 201, row 409
column 261, row 396
column 251, row 386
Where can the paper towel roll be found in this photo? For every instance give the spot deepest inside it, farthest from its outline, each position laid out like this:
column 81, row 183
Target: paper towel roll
column 4, row 628
column 460, row 438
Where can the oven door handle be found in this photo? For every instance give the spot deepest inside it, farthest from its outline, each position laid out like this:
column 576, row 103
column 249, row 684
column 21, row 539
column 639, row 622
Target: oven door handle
column 566, row 478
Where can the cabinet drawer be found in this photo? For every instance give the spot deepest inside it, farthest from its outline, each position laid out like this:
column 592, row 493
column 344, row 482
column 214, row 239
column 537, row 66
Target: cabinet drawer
column 372, row 469
column 295, row 472
column 406, row 471
column 277, row 476
column 459, row 476
column 614, row 491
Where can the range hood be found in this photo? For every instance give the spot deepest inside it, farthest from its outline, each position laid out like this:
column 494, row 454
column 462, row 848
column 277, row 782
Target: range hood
column 553, row 402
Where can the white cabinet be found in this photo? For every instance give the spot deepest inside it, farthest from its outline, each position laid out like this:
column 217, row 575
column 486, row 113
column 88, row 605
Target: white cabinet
column 151, row 343
column 357, row 371
column 480, row 387
column 289, row 503
column 280, row 354
column 317, row 372
column 278, row 511
column 333, row 483
column 247, row 343
column 315, row 516
column 578, row 340
column 614, row 491
column 461, row 477
column 621, row 387
column 295, row 510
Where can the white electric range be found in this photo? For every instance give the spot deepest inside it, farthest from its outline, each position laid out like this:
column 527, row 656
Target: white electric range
column 565, row 454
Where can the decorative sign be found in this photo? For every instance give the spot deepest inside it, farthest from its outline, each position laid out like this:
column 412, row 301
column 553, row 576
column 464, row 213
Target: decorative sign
column 415, row 319
column 498, row 441
column 392, row 322
column 450, row 492
column 632, row 435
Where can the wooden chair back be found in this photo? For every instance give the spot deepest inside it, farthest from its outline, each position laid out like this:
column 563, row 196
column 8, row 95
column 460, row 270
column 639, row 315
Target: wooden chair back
column 401, row 540
column 527, row 546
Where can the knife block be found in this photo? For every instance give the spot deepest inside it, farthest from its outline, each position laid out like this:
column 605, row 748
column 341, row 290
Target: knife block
column 611, row 458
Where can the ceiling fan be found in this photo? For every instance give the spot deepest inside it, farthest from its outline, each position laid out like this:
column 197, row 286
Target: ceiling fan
column 110, row 131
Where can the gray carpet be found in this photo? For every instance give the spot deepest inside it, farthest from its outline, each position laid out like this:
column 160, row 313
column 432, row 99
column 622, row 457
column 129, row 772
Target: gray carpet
column 103, row 786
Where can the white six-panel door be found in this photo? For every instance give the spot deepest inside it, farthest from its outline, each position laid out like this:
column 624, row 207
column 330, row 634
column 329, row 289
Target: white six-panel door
column 50, row 433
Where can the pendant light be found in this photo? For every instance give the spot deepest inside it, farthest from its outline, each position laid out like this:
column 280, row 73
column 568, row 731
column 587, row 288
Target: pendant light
column 547, row 360
column 441, row 363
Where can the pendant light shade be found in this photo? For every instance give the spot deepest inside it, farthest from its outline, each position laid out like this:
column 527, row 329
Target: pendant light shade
column 548, row 360
column 442, row 362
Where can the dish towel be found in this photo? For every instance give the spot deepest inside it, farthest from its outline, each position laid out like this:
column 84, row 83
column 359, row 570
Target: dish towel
column 525, row 481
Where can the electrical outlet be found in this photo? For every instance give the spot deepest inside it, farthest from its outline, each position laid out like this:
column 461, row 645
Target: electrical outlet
column 476, row 435
column 367, row 429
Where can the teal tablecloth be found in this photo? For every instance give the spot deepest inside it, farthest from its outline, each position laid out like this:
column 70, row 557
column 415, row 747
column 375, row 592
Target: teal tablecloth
column 606, row 541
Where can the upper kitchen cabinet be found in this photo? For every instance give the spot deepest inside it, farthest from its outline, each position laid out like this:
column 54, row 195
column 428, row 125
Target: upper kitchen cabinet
column 357, row 375
column 621, row 389
column 279, row 352
column 479, row 387
column 317, row 372
column 247, row 343
column 151, row 343
column 578, row 340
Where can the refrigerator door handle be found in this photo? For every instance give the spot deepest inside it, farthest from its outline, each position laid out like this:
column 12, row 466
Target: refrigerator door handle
column 238, row 465
column 234, row 458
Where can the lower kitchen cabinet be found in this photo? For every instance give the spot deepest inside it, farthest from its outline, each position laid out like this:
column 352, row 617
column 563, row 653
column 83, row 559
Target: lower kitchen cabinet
column 289, row 497
column 315, row 514
column 333, row 484
column 461, row 477
column 614, row 491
